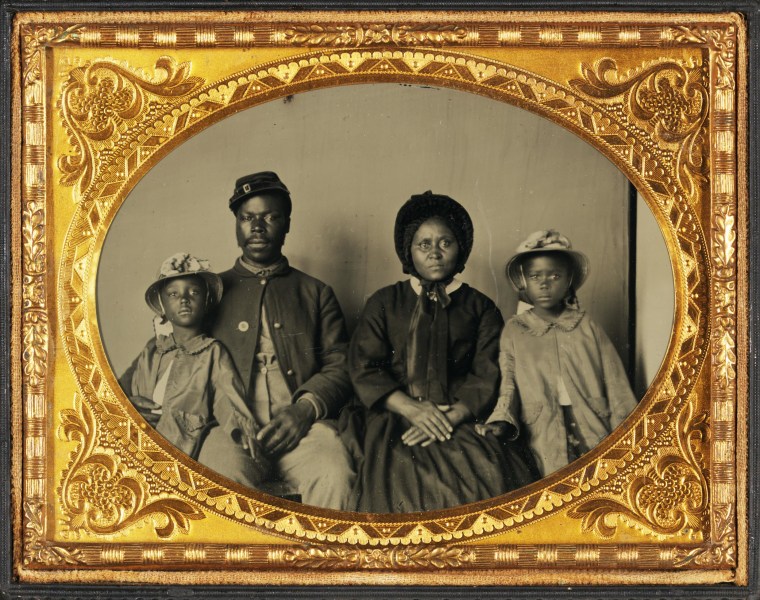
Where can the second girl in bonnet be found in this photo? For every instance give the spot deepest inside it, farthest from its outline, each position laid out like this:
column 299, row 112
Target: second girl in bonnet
column 563, row 386
column 423, row 360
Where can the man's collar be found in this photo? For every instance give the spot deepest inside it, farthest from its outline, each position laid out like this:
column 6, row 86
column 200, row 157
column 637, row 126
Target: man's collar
column 279, row 268
column 537, row 326
column 452, row 287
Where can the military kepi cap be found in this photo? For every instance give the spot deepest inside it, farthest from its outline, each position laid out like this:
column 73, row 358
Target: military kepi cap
column 257, row 183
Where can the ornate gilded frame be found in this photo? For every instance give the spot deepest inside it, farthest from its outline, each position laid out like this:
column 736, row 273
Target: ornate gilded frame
column 98, row 498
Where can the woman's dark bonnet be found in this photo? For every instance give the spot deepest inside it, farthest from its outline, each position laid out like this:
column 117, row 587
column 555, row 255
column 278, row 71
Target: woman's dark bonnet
column 421, row 207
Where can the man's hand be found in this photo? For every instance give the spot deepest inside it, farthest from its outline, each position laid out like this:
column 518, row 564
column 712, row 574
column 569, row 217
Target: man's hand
column 286, row 429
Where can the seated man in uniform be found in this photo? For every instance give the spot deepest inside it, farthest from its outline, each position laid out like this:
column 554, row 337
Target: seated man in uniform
column 287, row 337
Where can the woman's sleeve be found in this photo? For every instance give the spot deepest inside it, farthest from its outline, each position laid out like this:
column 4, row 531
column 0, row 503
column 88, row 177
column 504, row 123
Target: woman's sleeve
column 481, row 385
column 370, row 355
column 228, row 395
column 508, row 404
column 619, row 394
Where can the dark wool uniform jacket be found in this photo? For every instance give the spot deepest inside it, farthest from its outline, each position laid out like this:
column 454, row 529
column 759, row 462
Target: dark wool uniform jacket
column 307, row 328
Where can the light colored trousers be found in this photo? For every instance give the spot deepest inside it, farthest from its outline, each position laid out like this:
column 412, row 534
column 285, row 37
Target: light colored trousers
column 319, row 468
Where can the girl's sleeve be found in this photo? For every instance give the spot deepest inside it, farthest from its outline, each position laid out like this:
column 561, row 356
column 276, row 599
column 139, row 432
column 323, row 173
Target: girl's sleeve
column 228, row 396
column 619, row 393
column 481, row 385
column 370, row 355
column 138, row 385
column 134, row 381
column 508, row 404
column 125, row 381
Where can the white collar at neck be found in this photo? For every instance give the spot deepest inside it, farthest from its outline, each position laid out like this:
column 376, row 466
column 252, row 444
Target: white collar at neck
column 452, row 287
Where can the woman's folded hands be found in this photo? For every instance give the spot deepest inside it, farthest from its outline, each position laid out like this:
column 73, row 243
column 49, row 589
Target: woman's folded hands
column 430, row 422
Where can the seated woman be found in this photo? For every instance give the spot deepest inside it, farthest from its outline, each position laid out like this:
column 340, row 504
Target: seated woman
column 424, row 361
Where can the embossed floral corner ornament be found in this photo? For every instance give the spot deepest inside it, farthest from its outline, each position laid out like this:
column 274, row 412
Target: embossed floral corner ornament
column 102, row 495
column 663, row 121
column 669, row 100
column 669, row 496
column 104, row 105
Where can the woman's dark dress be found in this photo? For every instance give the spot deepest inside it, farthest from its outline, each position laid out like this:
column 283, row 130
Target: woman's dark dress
column 468, row 467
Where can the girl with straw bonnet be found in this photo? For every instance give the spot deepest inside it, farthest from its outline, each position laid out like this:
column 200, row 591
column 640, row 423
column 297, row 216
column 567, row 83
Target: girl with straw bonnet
column 563, row 385
column 184, row 382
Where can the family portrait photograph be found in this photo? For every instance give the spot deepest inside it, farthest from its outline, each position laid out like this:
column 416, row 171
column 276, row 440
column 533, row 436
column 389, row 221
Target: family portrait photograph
column 379, row 300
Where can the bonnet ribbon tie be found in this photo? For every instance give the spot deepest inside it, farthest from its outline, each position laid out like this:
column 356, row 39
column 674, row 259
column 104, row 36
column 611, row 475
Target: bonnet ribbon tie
column 426, row 361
